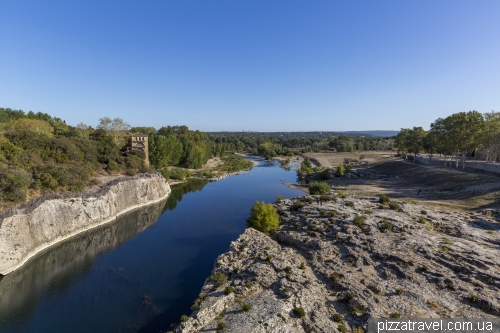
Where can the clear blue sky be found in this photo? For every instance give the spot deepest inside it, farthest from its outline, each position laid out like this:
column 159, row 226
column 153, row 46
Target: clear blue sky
column 251, row 65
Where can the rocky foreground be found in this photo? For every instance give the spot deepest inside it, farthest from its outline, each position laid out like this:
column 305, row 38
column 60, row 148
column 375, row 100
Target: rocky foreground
column 332, row 266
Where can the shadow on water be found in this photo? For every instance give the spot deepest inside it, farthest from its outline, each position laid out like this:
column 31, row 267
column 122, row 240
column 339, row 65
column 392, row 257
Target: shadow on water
column 55, row 270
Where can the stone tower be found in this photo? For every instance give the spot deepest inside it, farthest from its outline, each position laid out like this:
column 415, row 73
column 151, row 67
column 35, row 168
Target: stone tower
column 139, row 141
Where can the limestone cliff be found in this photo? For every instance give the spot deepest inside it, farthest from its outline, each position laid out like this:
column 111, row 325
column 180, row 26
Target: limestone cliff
column 332, row 266
column 24, row 235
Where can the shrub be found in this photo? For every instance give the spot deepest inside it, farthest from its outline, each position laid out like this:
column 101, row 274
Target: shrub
column 302, row 266
column 263, row 217
column 219, row 277
column 423, row 212
column 359, row 220
column 394, row 206
column 422, row 220
column 323, row 213
column 280, row 198
column 246, row 307
column 288, row 269
column 296, row 205
column 228, row 290
column 340, row 170
column 165, row 173
column 248, row 284
column 395, row 315
column 411, row 201
column 399, row 292
column 325, row 197
column 184, row 318
column 318, row 188
column 447, row 241
column 357, row 329
column 299, row 312
column 385, row 225
column 220, row 326
column 337, row 317
column 349, row 204
column 179, row 174
column 347, row 168
column 362, row 156
column 473, row 298
column 324, row 174
column 383, row 199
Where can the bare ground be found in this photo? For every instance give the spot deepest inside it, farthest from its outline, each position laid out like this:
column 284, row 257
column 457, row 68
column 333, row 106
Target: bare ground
column 467, row 189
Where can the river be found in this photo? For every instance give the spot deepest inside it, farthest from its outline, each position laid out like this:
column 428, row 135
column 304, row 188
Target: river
column 142, row 272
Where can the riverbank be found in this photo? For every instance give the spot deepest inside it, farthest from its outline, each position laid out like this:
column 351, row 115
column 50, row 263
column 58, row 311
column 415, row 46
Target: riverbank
column 333, row 265
column 26, row 234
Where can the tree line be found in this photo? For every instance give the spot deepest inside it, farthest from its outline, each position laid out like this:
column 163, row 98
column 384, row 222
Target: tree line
column 460, row 135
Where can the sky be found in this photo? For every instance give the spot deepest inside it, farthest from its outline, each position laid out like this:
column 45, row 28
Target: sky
column 273, row 65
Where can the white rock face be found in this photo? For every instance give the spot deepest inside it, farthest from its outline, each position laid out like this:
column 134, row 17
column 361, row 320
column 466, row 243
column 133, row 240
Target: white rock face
column 23, row 236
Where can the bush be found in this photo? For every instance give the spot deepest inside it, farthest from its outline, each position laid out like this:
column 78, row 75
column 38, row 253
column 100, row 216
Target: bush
column 338, row 318
column 246, row 307
column 395, row 315
column 324, row 174
column 341, row 194
column 297, row 205
column 385, row 225
column 279, row 198
column 228, row 290
column 325, row 197
column 349, row 204
column 399, row 292
column 348, row 168
column 340, row 170
column 359, row 220
column 342, row 328
column 219, row 277
column 165, row 173
column 184, row 318
column 299, row 312
column 221, row 326
column 318, row 188
column 323, row 213
column 384, row 200
column 179, row 174
column 263, row 217
column 394, row 206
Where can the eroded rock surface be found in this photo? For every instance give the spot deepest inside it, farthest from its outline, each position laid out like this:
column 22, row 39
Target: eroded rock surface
column 350, row 259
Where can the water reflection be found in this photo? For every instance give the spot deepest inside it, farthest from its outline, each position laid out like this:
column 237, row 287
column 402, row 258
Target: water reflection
column 179, row 190
column 55, row 270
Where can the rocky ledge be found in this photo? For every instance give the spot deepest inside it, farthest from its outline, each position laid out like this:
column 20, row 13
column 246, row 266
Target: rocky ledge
column 332, row 266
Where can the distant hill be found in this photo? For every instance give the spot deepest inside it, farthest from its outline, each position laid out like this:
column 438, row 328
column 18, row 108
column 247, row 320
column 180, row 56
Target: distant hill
column 374, row 133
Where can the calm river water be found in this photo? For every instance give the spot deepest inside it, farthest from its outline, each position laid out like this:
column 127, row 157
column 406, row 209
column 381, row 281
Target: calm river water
column 141, row 273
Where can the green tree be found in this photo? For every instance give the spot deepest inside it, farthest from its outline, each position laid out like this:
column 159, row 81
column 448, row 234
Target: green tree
column 263, row 217
column 340, row 170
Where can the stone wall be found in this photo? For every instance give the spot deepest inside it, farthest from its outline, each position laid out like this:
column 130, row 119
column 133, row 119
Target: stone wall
column 51, row 221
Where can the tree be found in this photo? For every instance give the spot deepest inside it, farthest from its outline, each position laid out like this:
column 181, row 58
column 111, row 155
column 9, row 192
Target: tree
column 415, row 141
column 491, row 135
column 263, row 217
column 164, row 150
column 116, row 128
column 340, row 170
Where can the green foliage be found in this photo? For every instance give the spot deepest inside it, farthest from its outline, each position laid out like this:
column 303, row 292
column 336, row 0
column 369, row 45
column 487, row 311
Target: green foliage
column 263, row 217
column 228, row 290
column 179, row 174
column 221, row 326
column 299, row 312
column 359, row 220
column 385, row 225
column 340, row 170
column 395, row 315
column 219, row 278
column 184, row 318
column 234, row 163
column 318, row 188
column 383, row 199
column 342, row 329
column 246, row 307
column 296, row 205
column 338, row 318
column 279, row 198
column 349, row 204
column 323, row 213
column 165, row 173
column 324, row 174
column 394, row 206
column 164, row 150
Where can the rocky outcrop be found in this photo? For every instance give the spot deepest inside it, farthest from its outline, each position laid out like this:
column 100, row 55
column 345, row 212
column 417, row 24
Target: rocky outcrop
column 24, row 235
column 350, row 259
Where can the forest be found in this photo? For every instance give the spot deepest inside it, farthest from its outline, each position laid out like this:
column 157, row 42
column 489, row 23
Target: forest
column 460, row 135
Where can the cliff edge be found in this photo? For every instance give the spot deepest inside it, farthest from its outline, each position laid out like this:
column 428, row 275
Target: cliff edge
column 24, row 235
column 331, row 266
